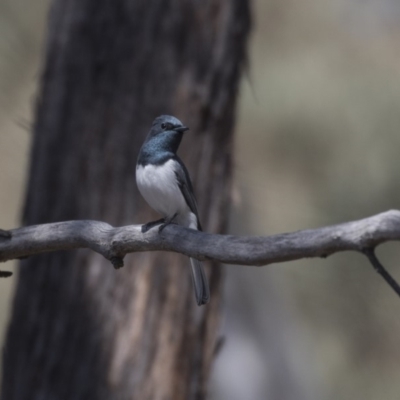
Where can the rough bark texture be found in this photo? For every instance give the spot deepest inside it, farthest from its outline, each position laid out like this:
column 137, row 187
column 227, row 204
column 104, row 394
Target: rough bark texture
column 115, row 243
column 80, row 329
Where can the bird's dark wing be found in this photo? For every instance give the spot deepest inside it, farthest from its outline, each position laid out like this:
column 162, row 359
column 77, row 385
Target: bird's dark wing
column 186, row 187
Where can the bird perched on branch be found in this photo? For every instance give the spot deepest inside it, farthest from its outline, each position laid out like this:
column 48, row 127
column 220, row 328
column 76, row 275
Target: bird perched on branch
column 164, row 182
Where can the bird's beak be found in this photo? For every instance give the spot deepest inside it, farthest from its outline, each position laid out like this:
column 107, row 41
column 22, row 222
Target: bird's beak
column 181, row 129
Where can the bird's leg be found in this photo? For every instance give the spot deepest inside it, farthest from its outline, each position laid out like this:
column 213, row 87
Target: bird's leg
column 167, row 221
column 152, row 224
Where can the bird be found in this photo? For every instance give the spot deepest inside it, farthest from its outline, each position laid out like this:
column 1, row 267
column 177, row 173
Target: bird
column 164, row 182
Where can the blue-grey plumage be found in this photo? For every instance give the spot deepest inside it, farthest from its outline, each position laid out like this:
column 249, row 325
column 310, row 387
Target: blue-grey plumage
column 164, row 182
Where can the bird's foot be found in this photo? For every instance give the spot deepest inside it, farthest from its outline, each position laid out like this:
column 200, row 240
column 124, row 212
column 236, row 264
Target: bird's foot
column 166, row 222
column 152, row 224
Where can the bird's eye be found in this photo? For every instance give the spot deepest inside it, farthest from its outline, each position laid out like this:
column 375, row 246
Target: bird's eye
column 163, row 126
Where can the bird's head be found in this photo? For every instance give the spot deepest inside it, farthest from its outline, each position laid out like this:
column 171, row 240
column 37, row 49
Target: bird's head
column 167, row 131
column 167, row 123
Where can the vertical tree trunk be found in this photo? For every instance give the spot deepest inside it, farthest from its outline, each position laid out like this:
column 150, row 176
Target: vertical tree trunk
column 80, row 329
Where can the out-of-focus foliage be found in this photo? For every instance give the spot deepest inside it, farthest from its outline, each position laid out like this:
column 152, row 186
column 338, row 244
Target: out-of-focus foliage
column 317, row 143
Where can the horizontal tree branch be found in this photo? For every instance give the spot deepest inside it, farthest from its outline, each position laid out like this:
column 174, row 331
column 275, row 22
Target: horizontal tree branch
column 115, row 243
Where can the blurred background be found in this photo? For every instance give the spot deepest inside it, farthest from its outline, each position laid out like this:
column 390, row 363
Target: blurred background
column 316, row 143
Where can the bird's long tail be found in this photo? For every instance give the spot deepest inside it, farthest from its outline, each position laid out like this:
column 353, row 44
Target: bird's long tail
column 201, row 289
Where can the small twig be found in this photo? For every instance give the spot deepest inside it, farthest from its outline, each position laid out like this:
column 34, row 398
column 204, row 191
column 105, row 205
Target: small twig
column 5, row 234
column 379, row 268
column 117, row 262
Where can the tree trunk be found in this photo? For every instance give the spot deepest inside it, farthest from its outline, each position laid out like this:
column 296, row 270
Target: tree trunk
column 79, row 328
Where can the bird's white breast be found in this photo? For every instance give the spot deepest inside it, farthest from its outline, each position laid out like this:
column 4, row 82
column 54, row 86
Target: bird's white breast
column 158, row 185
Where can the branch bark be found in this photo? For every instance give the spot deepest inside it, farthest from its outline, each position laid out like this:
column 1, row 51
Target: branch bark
column 115, row 243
